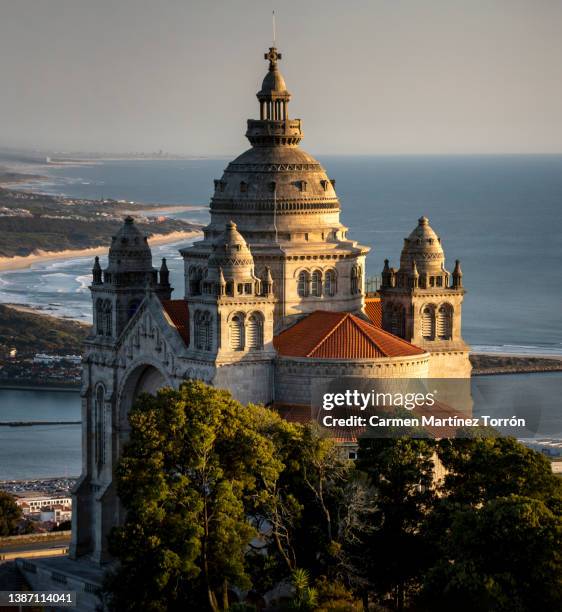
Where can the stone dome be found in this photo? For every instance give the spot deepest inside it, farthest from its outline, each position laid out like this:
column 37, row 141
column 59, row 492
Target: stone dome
column 129, row 250
column 290, row 176
column 422, row 247
column 231, row 254
column 273, row 83
column 275, row 186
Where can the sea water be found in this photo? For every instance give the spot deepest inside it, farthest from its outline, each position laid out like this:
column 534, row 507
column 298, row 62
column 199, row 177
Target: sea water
column 39, row 451
column 500, row 215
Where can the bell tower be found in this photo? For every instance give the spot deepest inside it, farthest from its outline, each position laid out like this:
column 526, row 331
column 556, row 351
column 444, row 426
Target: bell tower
column 422, row 302
column 118, row 290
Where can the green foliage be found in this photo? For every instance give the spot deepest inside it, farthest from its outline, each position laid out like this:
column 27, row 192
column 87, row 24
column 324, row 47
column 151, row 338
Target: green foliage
column 495, row 534
column 302, row 508
column 485, row 468
column 223, row 498
column 401, row 471
column 191, row 473
column 10, row 514
column 334, row 596
column 306, row 597
column 33, row 333
column 504, row 556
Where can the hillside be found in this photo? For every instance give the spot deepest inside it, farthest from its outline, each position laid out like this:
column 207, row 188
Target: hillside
column 37, row 333
column 30, row 222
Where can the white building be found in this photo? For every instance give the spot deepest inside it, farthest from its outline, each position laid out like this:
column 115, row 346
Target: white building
column 273, row 302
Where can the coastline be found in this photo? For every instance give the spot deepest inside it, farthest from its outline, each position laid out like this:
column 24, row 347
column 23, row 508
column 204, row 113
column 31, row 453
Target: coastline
column 498, row 364
column 26, row 261
column 8, row 386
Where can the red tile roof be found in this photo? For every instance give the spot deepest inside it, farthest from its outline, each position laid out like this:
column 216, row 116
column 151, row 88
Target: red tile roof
column 178, row 315
column 340, row 335
column 373, row 309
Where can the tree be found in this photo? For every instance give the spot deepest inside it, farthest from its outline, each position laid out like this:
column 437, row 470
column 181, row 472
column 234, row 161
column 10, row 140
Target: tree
column 190, row 475
column 481, row 469
column 495, row 532
column 302, row 509
column 505, row 556
column 388, row 557
column 10, row 514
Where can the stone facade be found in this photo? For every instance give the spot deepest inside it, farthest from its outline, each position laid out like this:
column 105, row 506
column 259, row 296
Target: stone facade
column 295, row 378
column 273, row 254
column 287, row 209
column 422, row 302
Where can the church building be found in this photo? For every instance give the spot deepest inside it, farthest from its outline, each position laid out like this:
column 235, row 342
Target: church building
column 274, row 300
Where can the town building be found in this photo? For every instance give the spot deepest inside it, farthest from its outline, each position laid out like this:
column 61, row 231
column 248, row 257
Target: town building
column 32, row 502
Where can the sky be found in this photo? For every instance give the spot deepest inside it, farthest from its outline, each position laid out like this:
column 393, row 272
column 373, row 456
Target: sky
column 367, row 76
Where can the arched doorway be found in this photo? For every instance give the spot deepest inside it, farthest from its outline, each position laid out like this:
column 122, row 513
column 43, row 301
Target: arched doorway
column 145, row 378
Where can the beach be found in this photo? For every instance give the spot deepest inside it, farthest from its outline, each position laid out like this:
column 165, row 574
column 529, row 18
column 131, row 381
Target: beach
column 22, row 262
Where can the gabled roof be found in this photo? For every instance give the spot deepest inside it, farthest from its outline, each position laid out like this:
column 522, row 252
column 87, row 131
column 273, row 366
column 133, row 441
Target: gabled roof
column 373, row 309
column 340, row 335
column 177, row 313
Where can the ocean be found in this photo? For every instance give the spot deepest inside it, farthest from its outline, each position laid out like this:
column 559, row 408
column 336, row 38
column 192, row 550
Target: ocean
column 500, row 215
column 40, row 451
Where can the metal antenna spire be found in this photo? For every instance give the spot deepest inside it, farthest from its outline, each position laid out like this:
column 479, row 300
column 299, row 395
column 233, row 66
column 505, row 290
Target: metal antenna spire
column 273, row 24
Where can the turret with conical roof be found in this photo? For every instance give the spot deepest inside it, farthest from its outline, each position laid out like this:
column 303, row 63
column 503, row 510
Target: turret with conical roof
column 420, row 303
column 423, row 248
column 118, row 290
column 232, row 260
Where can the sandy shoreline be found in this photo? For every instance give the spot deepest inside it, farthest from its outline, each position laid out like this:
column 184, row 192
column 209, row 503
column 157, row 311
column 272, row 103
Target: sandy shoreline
column 25, row 261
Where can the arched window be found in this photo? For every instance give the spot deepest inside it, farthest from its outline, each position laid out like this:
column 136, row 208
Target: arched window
column 203, row 331
column 195, row 278
column 100, row 317
column 356, row 280
column 254, row 331
column 236, row 332
column 303, row 287
column 99, row 427
column 397, row 321
column 445, row 322
column 316, row 284
column 428, row 322
column 330, row 283
column 107, row 317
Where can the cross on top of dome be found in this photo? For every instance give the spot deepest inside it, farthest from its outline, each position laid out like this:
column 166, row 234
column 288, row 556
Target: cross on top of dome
column 272, row 56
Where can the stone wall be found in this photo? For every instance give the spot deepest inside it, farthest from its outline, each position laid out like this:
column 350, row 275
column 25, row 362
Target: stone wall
column 248, row 381
column 295, row 377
